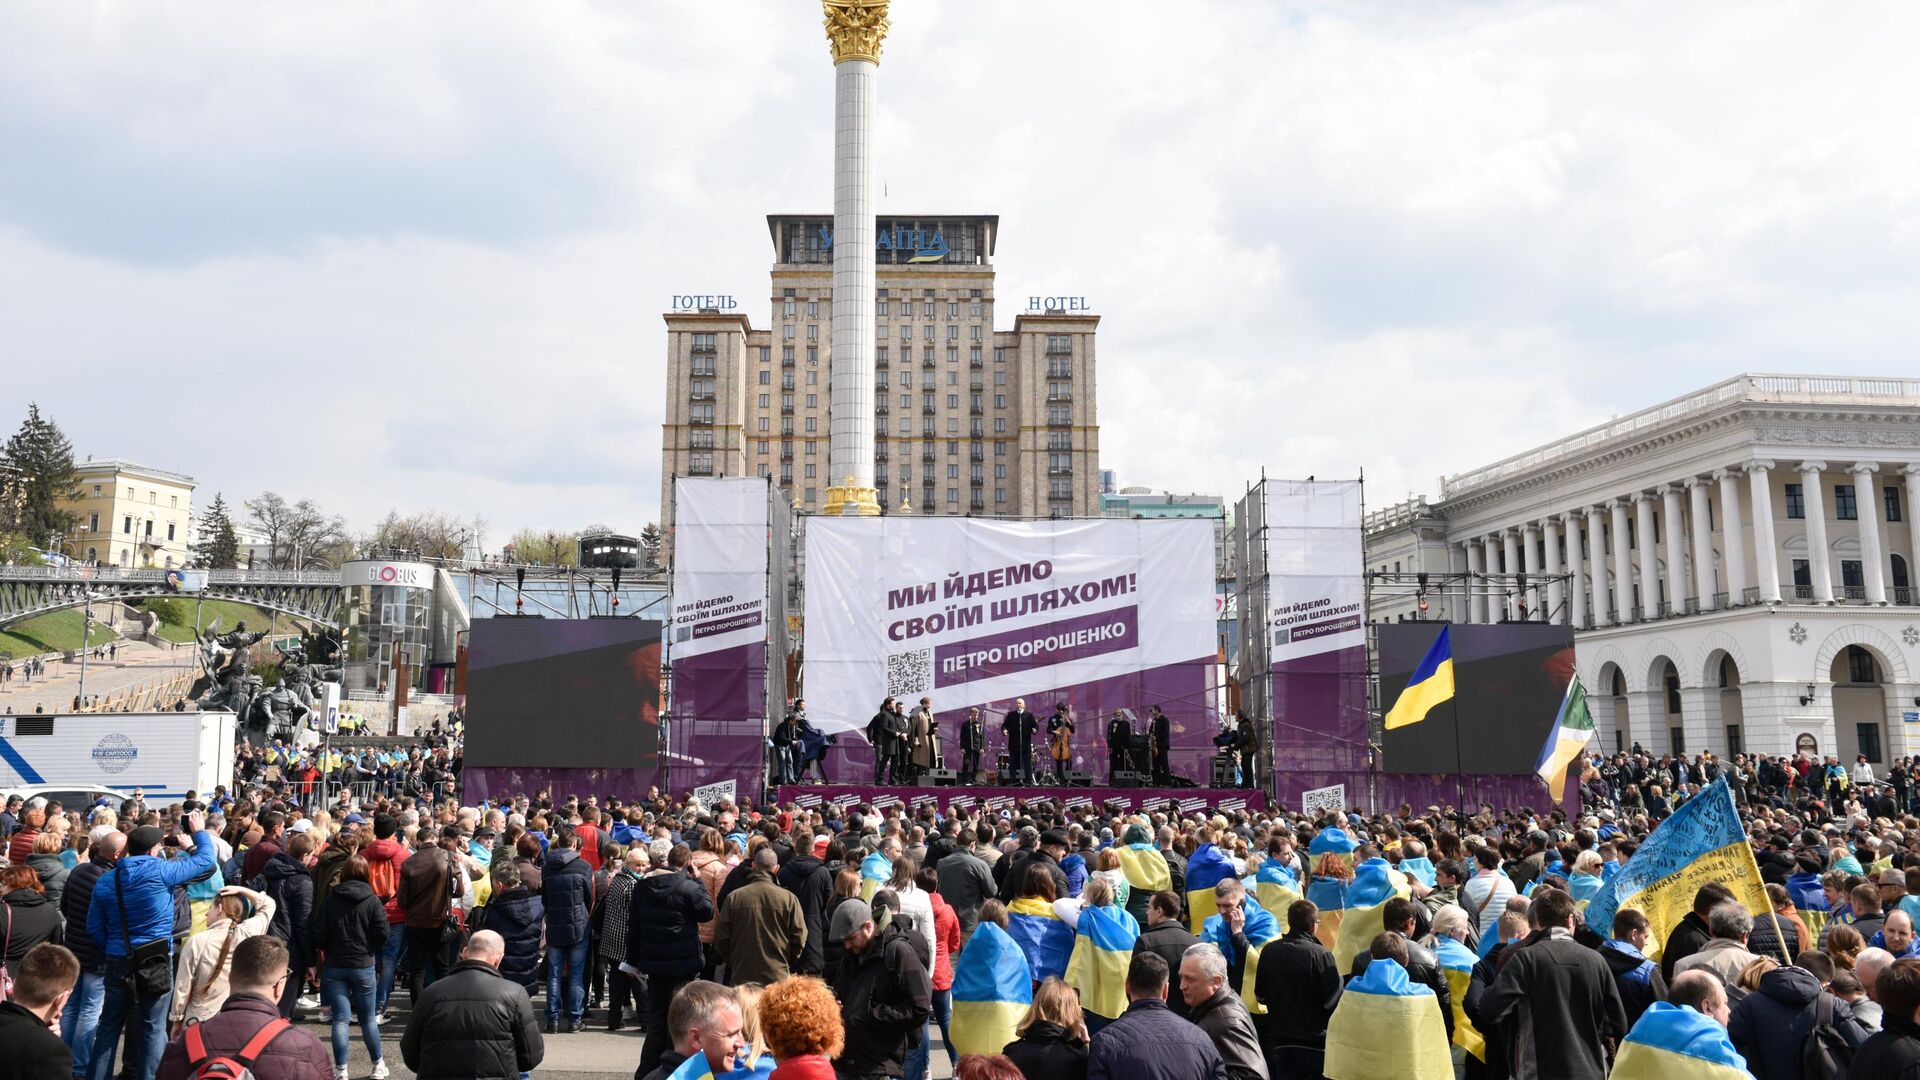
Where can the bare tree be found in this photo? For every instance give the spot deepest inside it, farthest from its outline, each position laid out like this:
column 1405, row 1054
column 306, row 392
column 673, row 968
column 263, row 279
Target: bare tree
column 548, row 547
column 429, row 534
column 300, row 536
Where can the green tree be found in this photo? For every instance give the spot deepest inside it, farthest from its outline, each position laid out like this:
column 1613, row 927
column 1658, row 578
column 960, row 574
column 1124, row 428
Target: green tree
column 650, row 539
column 219, row 548
column 41, row 462
column 547, row 547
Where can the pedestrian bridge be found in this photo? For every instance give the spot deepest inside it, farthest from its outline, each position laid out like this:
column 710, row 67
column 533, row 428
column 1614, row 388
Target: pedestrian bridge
column 26, row 591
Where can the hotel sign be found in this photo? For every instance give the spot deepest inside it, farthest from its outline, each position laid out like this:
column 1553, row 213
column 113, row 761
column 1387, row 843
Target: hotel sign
column 910, row 244
column 706, row 302
column 1057, row 304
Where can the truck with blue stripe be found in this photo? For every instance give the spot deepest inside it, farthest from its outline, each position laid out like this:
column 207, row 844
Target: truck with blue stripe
column 163, row 754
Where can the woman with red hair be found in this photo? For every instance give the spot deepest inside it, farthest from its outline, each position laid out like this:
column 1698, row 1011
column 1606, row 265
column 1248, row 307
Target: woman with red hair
column 800, row 1022
column 27, row 918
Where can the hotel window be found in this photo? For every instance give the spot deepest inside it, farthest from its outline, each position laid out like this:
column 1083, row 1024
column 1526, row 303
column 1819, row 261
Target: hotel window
column 953, row 495
column 787, row 332
column 928, row 308
column 762, row 425
column 906, row 335
column 979, row 309
column 953, row 378
column 813, row 423
column 953, row 356
column 1796, row 502
column 1000, row 496
column 926, row 355
column 906, row 426
column 766, row 470
column 813, row 309
column 999, row 425
column 880, row 307
column 953, row 472
column 813, row 401
column 953, row 448
column 786, row 354
column 999, row 378
column 766, row 401
column 928, row 336
column 791, row 307
column 999, row 355
column 999, row 449
column 880, row 356
column 999, row 401
column 976, row 333
column 812, row 470
column 953, row 333
column 766, row 378
column 766, row 354
column 953, row 401
column 1890, row 499
column 999, row 471
column 1844, row 508
column 973, row 356
column 813, row 331
column 764, row 444
column 813, row 378
column 813, row 355
column 811, row 447
column 953, row 309
column 809, row 495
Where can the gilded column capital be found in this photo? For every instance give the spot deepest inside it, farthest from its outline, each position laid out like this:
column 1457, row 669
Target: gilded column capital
column 856, row 28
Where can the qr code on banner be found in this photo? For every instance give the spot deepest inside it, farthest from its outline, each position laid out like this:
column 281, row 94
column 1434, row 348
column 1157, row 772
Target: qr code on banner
column 910, row 674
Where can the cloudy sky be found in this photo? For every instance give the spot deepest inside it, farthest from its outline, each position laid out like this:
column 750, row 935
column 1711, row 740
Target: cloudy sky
column 414, row 254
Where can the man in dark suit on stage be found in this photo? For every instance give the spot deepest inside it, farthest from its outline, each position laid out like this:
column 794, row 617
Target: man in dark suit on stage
column 1020, row 726
column 1161, row 745
column 1247, row 743
column 973, row 739
column 1119, row 735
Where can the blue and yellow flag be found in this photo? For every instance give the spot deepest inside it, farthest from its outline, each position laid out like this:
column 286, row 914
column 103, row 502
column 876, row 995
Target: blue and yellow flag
column 696, row 1068
column 1374, row 883
column 1041, row 935
column 1276, row 886
column 1327, row 892
column 1703, row 841
column 1144, row 867
column 1385, row 1026
column 1421, row 868
column 1102, row 949
column 1673, row 1042
column 992, row 989
column 1207, row 867
column 1430, row 684
column 1259, row 927
column 875, row 872
column 1457, row 961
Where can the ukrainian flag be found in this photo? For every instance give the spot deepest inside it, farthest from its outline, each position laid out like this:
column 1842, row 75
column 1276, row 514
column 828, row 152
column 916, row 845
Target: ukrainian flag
column 1431, row 684
column 1102, row 949
column 1329, row 894
column 1421, row 868
column 1046, row 941
column 1457, row 961
column 992, row 990
column 696, row 1068
column 1259, row 928
column 1702, row 841
column 875, row 872
column 1144, row 867
column 1276, row 886
column 1208, row 867
column 1374, row 883
column 1673, row 1042
column 1387, row 1026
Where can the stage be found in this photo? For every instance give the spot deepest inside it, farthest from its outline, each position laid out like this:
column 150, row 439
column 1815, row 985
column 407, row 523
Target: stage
column 1124, row 800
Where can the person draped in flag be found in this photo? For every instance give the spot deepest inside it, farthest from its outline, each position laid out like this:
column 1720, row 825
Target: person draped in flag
column 1240, row 928
column 1145, row 868
column 1682, row 1041
column 992, row 986
column 1104, row 936
column 1386, row 1025
column 1043, row 936
column 1451, row 926
column 1276, row 883
column 1206, row 867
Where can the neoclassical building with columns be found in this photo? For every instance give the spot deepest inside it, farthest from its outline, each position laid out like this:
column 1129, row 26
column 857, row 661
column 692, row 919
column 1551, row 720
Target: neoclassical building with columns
column 1738, row 564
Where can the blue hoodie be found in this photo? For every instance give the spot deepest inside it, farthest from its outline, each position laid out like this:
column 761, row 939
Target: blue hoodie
column 1805, row 892
column 1075, row 867
column 148, row 882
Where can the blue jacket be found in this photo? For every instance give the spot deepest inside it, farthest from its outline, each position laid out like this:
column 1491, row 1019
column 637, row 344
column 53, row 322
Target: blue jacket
column 1075, row 866
column 566, row 887
column 148, row 882
column 1148, row 1042
column 1805, row 892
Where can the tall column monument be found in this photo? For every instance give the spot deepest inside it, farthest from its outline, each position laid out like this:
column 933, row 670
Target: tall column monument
column 855, row 28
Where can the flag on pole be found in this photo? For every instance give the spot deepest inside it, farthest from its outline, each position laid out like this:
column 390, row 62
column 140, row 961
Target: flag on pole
column 1703, row 841
column 1431, row 684
column 1572, row 730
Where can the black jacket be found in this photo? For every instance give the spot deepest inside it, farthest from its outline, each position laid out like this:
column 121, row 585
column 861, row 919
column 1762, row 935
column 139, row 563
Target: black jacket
column 663, row 924
column 1169, row 941
column 292, row 890
column 1636, row 977
column 1686, row 939
column 1555, row 1006
column 1017, row 875
column 33, row 1052
column 885, row 997
column 1298, row 983
column 29, row 919
column 516, row 915
column 1150, row 1043
column 1048, row 1052
column 566, row 888
column 1776, row 937
column 1768, row 1025
column 1226, row 1021
column 74, row 903
column 351, row 926
column 472, row 1025
column 806, row 877
column 1891, row 1054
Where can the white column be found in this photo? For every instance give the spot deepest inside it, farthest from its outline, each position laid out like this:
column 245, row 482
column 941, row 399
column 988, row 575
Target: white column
column 1912, row 474
column 1766, row 552
column 1622, row 565
column 1550, row 565
column 1530, row 565
column 1510, row 564
column 1866, row 502
column 1676, row 549
column 1818, row 555
column 1476, row 608
column 1576, row 573
column 1733, row 541
column 1455, row 591
column 1649, row 558
column 1596, row 550
column 1703, row 588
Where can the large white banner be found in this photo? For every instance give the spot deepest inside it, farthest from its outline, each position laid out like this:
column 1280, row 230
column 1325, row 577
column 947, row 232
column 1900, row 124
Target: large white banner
column 974, row 611
column 719, row 565
column 1315, row 568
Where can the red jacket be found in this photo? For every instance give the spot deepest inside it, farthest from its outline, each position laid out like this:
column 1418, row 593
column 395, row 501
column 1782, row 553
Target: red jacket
column 946, row 941
column 590, row 840
column 294, row 1054
column 804, row 1067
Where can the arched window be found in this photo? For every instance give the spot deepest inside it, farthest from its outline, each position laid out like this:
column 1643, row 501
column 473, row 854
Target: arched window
column 1860, row 666
column 1900, row 578
column 1729, row 676
column 1619, row 683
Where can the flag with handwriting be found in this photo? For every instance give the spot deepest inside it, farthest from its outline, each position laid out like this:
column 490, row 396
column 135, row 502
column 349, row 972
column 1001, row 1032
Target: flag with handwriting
column 1702, row 841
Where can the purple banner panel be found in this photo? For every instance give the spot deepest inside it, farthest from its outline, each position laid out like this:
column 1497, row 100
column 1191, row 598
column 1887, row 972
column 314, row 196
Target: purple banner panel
column 1180, row 689
column 498, row 783
column 1320, row 714
column 1030, row 647
column 1125, row 800
column 725, row 685
column 715, row 727
column 726, row 625
column 1387, row 792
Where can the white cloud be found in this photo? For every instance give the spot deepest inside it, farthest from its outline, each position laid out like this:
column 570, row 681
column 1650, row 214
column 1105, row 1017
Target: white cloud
column 416, row 255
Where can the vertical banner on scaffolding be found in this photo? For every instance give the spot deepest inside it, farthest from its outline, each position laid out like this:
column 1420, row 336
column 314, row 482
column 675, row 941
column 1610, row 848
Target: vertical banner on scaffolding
column 717, row 642
column 1315, row 635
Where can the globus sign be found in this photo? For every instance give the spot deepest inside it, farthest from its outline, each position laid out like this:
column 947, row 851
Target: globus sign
column 405, row 575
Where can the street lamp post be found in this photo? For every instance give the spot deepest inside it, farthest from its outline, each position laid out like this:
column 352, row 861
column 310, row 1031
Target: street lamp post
column 86, row 639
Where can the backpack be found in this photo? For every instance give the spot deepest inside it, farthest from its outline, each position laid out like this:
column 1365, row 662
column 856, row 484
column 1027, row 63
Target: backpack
column 384, row 879
column 1824, row 1053
column 208, row 1066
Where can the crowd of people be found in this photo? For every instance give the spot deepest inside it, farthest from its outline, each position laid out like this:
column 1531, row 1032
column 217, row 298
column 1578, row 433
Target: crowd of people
column 1043, row 943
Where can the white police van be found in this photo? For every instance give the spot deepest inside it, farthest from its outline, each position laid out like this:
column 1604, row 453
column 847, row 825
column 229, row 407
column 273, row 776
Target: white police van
column 162, row 754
